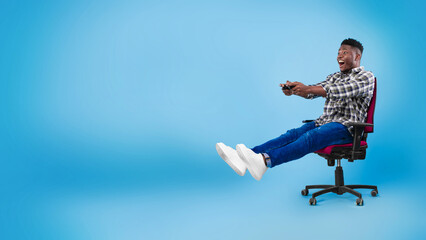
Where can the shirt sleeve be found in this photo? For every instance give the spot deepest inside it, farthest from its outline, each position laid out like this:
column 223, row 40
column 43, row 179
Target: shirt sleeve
column 360, row 86
column 322, row 84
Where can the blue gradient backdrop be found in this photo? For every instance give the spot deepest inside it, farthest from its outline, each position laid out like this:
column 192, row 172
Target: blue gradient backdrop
column 110, row 111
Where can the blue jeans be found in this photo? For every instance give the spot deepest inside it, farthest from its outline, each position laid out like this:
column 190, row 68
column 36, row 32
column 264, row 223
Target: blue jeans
column 298, row 142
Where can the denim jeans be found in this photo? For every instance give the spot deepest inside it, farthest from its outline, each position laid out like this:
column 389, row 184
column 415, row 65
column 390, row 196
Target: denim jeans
column 298, row 142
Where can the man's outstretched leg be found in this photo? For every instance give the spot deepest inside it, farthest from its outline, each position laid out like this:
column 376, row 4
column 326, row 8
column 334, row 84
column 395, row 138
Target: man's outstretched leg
column 239, row 165
column 320, row 137
column 284, row 139
column 311, row 141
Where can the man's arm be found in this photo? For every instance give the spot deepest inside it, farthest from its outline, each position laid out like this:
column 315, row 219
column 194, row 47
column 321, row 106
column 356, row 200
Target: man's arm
column 361, row 86
column 302, row 90
column 317, row 90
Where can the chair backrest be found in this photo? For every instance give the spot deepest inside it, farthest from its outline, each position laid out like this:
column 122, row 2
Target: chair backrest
column 370, row 113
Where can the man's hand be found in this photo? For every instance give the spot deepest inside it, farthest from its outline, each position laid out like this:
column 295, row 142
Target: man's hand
column 287, row 92
column 299, row 89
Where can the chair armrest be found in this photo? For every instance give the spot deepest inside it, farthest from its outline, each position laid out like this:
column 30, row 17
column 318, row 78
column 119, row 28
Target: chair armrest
column 358, row 132
column 360, row 124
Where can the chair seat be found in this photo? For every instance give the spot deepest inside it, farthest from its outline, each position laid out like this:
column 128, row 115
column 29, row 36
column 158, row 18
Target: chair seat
column 327, row 150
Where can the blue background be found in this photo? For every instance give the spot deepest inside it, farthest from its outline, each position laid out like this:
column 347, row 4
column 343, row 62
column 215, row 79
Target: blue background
column 110, row 111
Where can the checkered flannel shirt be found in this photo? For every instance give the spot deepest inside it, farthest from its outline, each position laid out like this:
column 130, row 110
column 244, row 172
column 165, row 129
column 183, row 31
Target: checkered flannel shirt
column 348, row 97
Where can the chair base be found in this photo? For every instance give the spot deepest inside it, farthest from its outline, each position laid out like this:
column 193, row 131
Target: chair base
column 339, row 188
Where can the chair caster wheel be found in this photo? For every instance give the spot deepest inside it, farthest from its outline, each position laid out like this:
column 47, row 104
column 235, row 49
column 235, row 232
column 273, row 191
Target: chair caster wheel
column 359, row 202
column 313, row 201
column 305, row 192
column 374, row 193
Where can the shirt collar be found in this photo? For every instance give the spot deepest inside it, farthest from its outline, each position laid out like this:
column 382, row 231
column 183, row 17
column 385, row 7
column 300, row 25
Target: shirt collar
column 357, row 70
column 353, row 70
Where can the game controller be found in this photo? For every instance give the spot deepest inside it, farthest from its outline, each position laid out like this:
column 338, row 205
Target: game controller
column 286, row 87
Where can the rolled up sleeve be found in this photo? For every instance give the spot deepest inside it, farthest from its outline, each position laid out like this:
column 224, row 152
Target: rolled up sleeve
column 361, row 86
column 321, row 84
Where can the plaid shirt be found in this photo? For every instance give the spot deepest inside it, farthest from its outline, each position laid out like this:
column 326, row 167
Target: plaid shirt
column 348, row 97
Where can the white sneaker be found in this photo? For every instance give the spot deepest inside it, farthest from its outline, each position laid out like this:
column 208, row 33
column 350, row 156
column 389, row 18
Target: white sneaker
column 231, row 158
column 255, row 162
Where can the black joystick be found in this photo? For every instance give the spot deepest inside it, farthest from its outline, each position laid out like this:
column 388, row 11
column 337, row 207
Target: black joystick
column 286, row 87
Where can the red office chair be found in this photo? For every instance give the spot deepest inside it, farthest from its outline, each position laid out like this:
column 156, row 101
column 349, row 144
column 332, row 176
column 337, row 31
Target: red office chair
column 352, row 151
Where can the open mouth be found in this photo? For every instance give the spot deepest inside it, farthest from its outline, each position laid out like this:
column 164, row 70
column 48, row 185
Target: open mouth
column 341, row 63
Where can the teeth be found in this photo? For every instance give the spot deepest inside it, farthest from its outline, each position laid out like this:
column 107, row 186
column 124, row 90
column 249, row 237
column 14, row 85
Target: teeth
column 341, row 61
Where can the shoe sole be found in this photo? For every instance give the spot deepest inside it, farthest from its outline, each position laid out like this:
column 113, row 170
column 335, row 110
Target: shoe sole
column 222, row 154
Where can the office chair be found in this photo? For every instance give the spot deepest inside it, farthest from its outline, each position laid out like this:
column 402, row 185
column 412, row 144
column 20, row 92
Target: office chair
column 352, row 151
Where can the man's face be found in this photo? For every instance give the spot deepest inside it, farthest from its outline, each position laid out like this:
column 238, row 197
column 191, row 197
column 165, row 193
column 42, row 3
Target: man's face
column 348, row 58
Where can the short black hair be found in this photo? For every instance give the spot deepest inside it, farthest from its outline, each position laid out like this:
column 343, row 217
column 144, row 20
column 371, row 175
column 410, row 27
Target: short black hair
column 353, row 43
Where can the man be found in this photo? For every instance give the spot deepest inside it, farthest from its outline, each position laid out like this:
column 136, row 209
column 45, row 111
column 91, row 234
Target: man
column 348, row 94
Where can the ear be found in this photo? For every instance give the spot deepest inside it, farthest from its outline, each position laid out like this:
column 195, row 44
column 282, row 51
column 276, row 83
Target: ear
column 357, row 57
